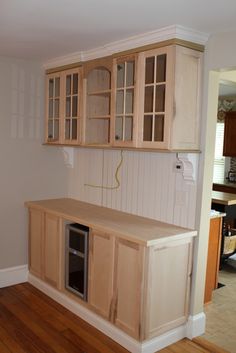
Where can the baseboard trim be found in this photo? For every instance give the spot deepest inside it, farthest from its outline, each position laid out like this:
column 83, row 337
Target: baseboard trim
column 107, row 328
column 13, row 275
column 196, row 325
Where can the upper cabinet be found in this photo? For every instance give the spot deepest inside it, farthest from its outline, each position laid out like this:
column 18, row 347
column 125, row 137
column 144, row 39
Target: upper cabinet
column 169, row 98
column 230, row 135
column 149, row 100
column 64, row 107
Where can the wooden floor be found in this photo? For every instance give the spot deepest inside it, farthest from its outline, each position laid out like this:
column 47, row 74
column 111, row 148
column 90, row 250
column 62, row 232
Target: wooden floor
column 31, row 322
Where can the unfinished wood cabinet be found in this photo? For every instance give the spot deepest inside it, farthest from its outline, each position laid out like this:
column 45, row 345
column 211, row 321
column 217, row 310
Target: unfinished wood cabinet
column 44, row 246
column 36, row 224
column 128, row 286
column 125, row 99
column 167, row 286
column 64, row 107
column 169, row 98
column 139, row 268
column 142, row 100
column 97, row 95
column 101, row 269
column 51, row 250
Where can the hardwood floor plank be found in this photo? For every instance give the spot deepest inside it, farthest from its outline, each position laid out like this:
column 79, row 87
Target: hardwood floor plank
column 47, row 335
column 9, row 341
column 31, row 322
column 20, row 333
column 3, row 348
column 73, row 322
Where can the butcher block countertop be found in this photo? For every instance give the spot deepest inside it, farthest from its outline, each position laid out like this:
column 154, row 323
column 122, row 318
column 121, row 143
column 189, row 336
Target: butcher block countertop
column 142, row 230
column 223, row 198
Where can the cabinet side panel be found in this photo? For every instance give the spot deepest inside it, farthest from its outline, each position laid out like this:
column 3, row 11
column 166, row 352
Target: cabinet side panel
column 35, row 241
column 187, row 99
column 168, row 288
column 128, row 290
column 51, row 250
column 101, row 267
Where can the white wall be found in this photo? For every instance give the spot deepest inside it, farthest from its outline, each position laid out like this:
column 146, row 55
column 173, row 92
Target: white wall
column 28, row 170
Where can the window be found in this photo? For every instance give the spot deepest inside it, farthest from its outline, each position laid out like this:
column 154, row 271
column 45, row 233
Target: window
column 219, row 161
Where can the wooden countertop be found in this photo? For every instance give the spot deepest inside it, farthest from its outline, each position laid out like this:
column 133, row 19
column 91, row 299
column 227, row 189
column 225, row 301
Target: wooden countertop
column 142, row 230
column 223, row 198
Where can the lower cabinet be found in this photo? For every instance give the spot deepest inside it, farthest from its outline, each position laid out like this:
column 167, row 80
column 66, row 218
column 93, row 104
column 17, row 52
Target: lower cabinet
column 143, row 290
column 44, row 246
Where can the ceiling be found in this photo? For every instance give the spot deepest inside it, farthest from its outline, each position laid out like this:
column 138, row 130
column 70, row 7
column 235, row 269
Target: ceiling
column 45, row 29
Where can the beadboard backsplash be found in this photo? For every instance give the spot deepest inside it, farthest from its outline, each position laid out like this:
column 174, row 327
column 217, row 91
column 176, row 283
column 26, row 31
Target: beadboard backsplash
column 149, row 184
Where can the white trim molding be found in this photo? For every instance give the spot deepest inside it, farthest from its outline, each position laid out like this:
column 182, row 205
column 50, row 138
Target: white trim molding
column 13, row 275
column 149, row 346
column 159, row 35
column 196, row 325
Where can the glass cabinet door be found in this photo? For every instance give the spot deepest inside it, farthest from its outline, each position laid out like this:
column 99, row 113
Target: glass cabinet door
column 71, row 105
column 53, row 107
column 154, row 98
column 155, row 90
column 124, row 100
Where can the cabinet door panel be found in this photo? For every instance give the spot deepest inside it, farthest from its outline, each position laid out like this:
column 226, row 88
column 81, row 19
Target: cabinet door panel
column 128, row 286
column 101, row 268
column 51, row 249
column 168, row 287
column 35, row 241
column 156, row 97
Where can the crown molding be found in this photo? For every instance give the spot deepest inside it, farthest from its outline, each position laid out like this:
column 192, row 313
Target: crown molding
column 163, row 34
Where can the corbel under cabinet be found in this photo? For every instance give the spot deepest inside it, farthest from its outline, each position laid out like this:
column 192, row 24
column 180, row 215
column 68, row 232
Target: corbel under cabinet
column 139, row 269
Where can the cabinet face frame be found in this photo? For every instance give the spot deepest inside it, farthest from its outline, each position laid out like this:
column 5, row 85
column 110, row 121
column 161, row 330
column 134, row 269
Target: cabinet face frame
column 169, row 94
column 79, row 107
column 124, row 60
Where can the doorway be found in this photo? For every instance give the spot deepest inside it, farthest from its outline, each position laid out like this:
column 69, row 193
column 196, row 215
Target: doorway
column 221, row 312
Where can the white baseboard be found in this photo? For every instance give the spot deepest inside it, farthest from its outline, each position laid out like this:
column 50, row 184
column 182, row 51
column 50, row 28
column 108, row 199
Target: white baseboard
column 110, row 330
column 13, row 275
column 196, row 325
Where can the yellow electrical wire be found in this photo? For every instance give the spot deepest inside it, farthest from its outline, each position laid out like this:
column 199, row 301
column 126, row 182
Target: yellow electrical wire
column 116, row 177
